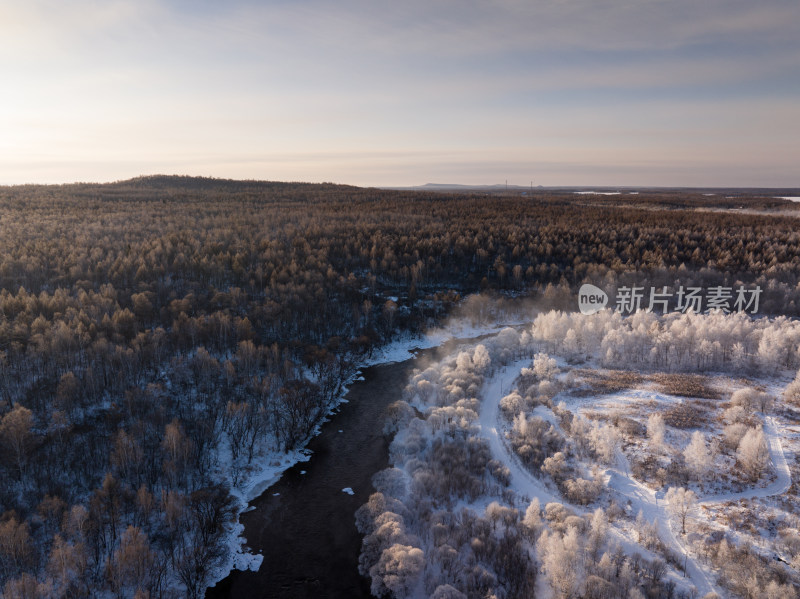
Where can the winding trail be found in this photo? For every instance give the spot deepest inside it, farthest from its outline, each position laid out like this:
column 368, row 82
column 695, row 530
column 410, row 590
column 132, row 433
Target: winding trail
column 644, row 499
column 641, row 497
column 781, row 483
column 522, row 480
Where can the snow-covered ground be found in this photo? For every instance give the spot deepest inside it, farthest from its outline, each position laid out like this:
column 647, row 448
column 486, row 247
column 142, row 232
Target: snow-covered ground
column 631, row 492
column 777, row 456
column 598, row 418
column 599, row 193
column 405, row 347
column 522, row 481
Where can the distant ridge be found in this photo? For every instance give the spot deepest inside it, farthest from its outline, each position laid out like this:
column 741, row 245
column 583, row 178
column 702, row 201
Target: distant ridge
column 189, row 182
column 186, row 183
column 459, row 186
column 498, row 187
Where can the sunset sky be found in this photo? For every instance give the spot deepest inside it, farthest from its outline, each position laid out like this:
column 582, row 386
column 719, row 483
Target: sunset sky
column 565, row 92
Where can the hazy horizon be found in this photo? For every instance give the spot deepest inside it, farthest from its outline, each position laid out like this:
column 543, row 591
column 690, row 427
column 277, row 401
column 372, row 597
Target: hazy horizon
column 579, row 94
column 581, row 189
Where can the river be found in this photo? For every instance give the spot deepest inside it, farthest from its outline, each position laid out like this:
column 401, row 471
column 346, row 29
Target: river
column 304, row 524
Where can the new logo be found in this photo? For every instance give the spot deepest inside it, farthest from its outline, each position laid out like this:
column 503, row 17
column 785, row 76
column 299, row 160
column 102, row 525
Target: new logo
column 591, row 299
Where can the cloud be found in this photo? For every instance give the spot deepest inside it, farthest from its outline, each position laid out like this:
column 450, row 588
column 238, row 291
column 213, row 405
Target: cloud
column 413, row 90
column 474, row 28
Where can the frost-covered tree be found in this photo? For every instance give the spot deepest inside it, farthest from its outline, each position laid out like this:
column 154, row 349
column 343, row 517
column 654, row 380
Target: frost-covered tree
column 775, row 590
column 792, row 392
column 739, row 359
column 655, row 431
column 580, row 433
column 561, row 561
column 497, row 513
column 753, row 453
column 556, row 466
column 647, row 532
column 398, row 414
column 445, row 591
column 480, row 358
column 736, row 414
column 464, row 362
column 397, row 571
column 533, row 516
column 511, row 404
column 765, row 402
column 597, row 532
column 746, row 398
column 392, row 482
column 681, row 503
column 581, row 490
column 676, row 341
column 544, row 367
column 698, row 457
column 605, row 440
column 771, row 352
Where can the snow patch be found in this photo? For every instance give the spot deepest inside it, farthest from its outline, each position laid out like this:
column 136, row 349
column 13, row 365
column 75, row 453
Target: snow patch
column 598, row 193
column 247, row 561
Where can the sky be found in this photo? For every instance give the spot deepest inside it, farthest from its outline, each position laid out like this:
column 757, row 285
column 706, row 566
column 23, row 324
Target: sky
column 368, row 92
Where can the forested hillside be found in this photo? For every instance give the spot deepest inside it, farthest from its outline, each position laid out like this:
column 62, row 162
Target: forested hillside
column 153, row 327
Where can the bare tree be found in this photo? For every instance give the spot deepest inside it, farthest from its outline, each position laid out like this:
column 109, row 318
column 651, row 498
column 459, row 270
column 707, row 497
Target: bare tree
column 16, row 435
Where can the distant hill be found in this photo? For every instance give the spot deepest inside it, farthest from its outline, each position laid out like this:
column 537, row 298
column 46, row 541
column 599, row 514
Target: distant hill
column 190, row 183
column 184, row 183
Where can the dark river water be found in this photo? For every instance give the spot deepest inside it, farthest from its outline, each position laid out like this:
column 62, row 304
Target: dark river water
column 307, row 532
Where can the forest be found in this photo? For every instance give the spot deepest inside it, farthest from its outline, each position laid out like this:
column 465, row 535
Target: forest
column 157, row 334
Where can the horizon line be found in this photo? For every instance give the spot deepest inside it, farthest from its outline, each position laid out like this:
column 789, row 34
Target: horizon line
column 430, row 186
